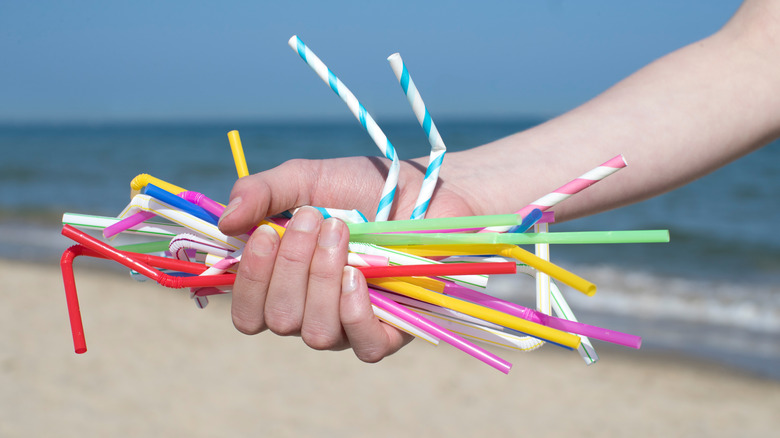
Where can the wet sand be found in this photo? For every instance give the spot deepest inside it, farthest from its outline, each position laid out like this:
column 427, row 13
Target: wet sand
column 158, row 366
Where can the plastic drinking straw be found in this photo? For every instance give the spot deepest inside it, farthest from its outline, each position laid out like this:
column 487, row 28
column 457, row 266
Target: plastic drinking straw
column 185, row 241
column 572, row 187
column 238, row 153
column 196, row 198
column 145, row 247
column 136, row 262
column 180, row 203
column 439, row 223
column 160, row 208
column 438, row 149
column 402, row 258
column 446, row 336
column 437, row 270
column 69, row 281
column 150, row 229
column 538, row 317
column 477, row 311
column 389, row 317
column 542, row 280
column 139, row 182
column 569, row 237
column 365, row 119
column 529, row 221
column 514, row 252
column 128, row 222
column 562, row 309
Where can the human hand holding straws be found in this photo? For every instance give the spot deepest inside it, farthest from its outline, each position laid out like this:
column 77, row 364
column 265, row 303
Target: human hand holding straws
column 306, row 276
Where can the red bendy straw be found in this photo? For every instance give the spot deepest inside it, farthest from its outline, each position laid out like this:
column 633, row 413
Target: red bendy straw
column 146, row 265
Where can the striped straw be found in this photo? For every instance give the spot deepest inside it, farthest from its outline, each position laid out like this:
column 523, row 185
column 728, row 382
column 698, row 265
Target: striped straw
column 570, row 188
column 438, row 149
column 365, row 119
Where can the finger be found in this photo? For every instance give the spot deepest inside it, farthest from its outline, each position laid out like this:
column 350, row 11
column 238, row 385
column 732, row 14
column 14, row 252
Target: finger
column 251, row 285
column 370, row 339
column 287, row 289
column 321, row 328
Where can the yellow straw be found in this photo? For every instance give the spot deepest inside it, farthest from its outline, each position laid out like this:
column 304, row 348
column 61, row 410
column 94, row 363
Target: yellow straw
column 551, row 269
column 425, row 283
column 504, row 250
column 238, row 153
column 477, row 311
column 140, row 181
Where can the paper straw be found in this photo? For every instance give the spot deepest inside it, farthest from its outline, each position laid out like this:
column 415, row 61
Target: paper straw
column 238, row 153
column 438, row 149
column 572, row 187
column 441, row 223
column 365, row 119
column 446, row 336
column 568, row 238
column 481, row 312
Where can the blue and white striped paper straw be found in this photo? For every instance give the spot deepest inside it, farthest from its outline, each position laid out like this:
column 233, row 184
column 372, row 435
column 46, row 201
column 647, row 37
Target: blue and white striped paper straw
column 438, row 148
column 379, row 137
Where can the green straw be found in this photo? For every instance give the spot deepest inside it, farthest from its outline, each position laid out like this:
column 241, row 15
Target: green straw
column 145, row 248
column 578, row 237
column 443, row 223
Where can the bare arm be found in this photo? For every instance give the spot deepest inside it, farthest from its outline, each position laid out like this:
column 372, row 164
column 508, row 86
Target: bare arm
column 675, row 120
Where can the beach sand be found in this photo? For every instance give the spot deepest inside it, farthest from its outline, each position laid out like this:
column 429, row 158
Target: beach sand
column 157, row 366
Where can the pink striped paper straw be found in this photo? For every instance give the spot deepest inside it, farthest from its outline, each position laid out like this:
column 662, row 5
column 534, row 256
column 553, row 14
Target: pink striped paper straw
column 570, row 188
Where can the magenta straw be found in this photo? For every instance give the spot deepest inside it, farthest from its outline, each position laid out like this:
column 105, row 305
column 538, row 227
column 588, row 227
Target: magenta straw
column 380, row 300
column 127, row 223
column 196, row 198
column 578, row 328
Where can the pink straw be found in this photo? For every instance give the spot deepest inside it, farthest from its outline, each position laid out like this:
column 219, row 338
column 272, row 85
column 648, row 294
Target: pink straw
column 380, row 300
column 625, row 339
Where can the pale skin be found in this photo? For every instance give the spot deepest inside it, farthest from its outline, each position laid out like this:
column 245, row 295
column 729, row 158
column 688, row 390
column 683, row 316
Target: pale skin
column 674, row 121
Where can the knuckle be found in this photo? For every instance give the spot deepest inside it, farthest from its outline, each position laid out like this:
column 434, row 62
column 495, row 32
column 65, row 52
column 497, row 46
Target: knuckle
column 247, row 324
column 319, row 338
column 282, row 323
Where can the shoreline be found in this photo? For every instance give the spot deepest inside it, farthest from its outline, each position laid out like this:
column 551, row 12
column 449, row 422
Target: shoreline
column 154, row 356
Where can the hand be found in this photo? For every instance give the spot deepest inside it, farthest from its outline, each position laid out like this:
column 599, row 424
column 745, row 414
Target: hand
column 299, row 284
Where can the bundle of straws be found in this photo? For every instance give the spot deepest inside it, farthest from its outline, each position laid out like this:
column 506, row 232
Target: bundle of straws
column 426, row 276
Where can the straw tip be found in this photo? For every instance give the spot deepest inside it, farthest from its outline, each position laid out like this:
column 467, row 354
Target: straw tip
column 394, row 56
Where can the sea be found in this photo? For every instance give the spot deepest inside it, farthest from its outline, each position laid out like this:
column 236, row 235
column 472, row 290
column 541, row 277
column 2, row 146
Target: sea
column 713, row 292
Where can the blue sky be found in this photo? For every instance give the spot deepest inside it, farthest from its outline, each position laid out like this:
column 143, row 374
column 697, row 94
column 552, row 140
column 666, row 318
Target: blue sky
column 104, row 61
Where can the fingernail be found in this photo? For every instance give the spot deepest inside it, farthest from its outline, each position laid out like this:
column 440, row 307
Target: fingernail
column 349, row 280
column 263, row 241
column 231, row 207
column 330, row 233
column 306, row 219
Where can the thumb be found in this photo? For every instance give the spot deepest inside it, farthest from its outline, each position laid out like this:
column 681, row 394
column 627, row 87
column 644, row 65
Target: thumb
column 264, row 194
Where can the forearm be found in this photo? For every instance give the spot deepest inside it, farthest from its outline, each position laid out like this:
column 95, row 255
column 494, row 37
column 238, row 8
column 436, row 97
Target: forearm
column 675, row 120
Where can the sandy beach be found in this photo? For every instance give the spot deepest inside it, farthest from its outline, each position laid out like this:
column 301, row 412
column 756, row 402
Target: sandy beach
column 158, row 366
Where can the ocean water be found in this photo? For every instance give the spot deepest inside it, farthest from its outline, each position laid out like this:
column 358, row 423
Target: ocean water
column 714, row 291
